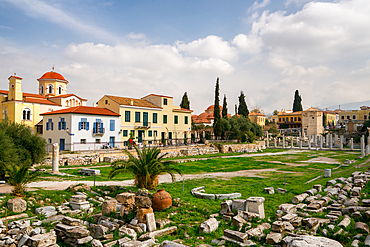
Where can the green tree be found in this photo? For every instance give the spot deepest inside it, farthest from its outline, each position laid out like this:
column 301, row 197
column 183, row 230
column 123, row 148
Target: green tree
column 297, row 103
column 146, row 168
column 243, row 109
column 185, row 103
column 276, row 112
column 224, row 108
column 236, row 109
column 18, row 144
column 324, row 117
column 216, row 112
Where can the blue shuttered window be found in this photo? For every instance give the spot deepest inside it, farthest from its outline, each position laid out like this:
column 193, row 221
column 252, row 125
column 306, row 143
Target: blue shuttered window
column 62, row 124
column 112, row 125
column 83, row 125
column 49, row 124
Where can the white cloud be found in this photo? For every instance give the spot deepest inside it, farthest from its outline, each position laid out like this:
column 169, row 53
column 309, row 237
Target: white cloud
column 211, row 46
column 248, row 44
column 259, row 5
column 40, row 9
column 296, row 2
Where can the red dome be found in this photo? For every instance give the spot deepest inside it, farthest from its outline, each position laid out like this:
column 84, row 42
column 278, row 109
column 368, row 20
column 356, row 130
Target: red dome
column 53, row 76
column 211, row 108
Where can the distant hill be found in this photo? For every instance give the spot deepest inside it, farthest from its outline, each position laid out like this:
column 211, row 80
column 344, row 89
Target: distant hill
column 350, row 106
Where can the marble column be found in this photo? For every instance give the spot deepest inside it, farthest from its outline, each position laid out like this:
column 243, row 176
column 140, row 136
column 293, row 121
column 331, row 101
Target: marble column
column 275, row 144
column 363, row 145
column 331, row 141
column 321, row 141
column 283, row 141
column 309, row 142
column 55, row 158
column 351, row 143
column 341, row 142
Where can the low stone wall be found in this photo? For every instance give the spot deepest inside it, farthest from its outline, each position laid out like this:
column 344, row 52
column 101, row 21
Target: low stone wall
column 251, row 147
column 94, row 157
column 198, row 193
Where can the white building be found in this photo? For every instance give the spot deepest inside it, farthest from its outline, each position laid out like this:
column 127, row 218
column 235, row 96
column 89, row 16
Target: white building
column 82, row 128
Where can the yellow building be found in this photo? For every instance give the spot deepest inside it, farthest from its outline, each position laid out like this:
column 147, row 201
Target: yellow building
column 152, row 119
column 257, row 118
column 355, row 116
column 289, row 119
column 26, row 108
column 331, row 118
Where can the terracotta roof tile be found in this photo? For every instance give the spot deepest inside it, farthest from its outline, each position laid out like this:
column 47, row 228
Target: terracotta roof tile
column 255, row 114
column 17, row 77
column 84, row 110
column 52, row 76
column 39, row 101
column 66, row 96
column 135, row 102
column 158, row 95
column 182, row 109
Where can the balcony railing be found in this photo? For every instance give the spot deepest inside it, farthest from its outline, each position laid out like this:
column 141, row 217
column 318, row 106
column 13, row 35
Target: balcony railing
column 98, row 131
column 142, row 125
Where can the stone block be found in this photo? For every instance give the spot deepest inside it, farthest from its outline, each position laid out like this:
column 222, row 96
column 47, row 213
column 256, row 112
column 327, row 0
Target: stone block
column 126, row 198
column 299, row 198
column 79, row 205
column 273, row 238
column 17, row 205
column 308, row 240
column 47, row 211
column 238, row 236
column 318, row 187
column 362, row 226
column 42, row 240
column 150, row 222
column 141, row 212
column 143, row 202
column 255, row 205
column 78, row 198
column 208, row 226
column 98, row 231
column 288, row 208
column 269, row 190
column 226, row 207
column 109, row 206
column 127, row 231
column 158, row 233
column 71, row 221
column 239, row 204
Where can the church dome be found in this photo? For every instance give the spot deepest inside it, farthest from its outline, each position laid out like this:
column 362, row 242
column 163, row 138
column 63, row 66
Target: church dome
column 52, row 76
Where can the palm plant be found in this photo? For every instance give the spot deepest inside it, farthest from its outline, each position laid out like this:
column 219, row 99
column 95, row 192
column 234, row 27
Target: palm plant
column 19, row 176
column 146, row 168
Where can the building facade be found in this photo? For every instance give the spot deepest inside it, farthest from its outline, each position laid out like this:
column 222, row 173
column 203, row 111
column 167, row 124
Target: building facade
column 257, row 118
column 82, row 128
column 355, row 116
column 152, row 119
column 25, row 108
column 312, row 123
column 290, row 119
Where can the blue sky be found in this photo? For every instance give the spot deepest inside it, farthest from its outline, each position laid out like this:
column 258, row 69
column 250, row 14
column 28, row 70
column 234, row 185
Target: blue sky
column 266, row 48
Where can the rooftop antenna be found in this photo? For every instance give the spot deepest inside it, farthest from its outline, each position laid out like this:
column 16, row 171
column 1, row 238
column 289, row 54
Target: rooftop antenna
column 53, row 68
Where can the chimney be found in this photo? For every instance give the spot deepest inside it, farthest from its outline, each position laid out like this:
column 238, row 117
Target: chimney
column 132, row 102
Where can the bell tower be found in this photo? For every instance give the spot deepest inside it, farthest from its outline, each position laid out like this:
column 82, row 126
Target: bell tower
column 15, row 88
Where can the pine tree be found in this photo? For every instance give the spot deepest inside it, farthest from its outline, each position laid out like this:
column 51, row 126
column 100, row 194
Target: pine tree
column 236, row 109
column 185, row 103
column 217, row 128
column 224, row 108
column 243, row 109
column 297, row 103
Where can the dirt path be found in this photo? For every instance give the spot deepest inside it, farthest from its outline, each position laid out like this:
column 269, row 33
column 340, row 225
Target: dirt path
column 55, row 185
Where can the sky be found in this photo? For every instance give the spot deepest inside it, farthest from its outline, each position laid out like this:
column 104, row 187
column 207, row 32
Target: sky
column 265, row 48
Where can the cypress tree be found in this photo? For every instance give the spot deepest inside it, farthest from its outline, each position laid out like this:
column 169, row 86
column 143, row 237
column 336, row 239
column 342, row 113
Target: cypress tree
column 297, row 103
column 236, row 109
column 216, row 112
column 185, row 103
column 243, row 109
column 224, row 108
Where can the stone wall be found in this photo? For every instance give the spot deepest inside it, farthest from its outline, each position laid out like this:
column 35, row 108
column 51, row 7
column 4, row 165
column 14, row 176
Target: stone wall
column 252, row 147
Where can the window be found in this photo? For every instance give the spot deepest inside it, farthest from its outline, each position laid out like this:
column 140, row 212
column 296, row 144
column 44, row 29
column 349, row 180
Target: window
column 170, row 135
column 26, row 114
column 50, row 89
column 186, row 119
column 155, row 133
column 49, row 124
column 127, row 116
column 83, row 141
column 49, row 141
column 176, row 120
column 137, row 117
column 348, row 117
column 125, row 133
column 150, row 133
column 62, row 124
column 342, row 117
column 313, row 117
column 132, row 132
column 279, row 119
column 295, row 118
column 5, row 112
column 98, row 127
column 97, row 140
column 365, row 117
column 83, row 125
column 354, row 117
column 60, row 90
column 165, row 119
column 112, row 125
column 283, row 119
column 291, row 119
column 42, row 89
column 155, row 117
column 299, row 119
column 106, row 102
column 164, row 101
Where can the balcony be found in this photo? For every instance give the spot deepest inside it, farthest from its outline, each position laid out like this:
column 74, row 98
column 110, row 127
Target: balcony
column 142, row 125
column 98, row 131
